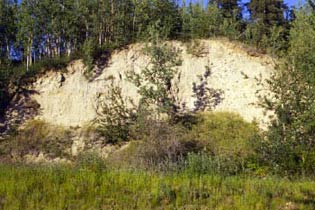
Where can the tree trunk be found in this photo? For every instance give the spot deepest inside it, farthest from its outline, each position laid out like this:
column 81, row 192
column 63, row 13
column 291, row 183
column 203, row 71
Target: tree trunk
column 112, row 12
column 7, row 49
column 68, row 49
column 100, row 36
column 59, row 46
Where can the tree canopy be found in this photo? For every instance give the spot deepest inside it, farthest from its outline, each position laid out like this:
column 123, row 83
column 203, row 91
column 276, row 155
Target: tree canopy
column 53, row 28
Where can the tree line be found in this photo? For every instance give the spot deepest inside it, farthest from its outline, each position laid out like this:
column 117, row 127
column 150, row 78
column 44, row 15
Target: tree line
column 31, row 30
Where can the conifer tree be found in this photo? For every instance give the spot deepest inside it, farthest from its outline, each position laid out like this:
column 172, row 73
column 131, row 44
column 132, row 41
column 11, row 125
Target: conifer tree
column 267, row 12
column 268, row 26
column 231, row 21
column 230, row 8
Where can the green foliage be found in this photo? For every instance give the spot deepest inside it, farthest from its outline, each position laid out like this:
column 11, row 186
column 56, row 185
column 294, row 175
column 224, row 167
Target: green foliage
column 274, row 42
column 96, row 58
column 203, row 163
column 8, row 28
column 18, row 73
column 290, row 147
column 37, row 137
column 196, row 17
column 51, row 188
column 227, row 138
column 230, row 8
column 89, row 50
column 50, row 29
column 148, row 13
column 116, row 116
column 161, row 147
column 269, row 13
column 214, row 143
column 311, row 4
column 221, row 18
column 157, row 145
column 90, row 161
column 302, row 45
column 219, row 130
column 155, row 81
column 270, row 28
column 230, row 28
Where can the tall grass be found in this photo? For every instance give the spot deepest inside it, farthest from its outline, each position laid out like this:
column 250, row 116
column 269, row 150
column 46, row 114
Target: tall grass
column 36, row 187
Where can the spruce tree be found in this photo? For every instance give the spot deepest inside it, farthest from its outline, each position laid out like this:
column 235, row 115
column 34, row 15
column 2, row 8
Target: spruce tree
column 269, row 27
column 231, row 21
column 230, row 8
column 267, row 12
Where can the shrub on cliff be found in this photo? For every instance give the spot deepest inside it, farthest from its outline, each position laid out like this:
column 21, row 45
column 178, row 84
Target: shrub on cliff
column 34, row 138
column 226, row 138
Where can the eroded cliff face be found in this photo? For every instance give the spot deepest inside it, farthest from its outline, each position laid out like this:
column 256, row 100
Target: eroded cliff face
column 69, row 99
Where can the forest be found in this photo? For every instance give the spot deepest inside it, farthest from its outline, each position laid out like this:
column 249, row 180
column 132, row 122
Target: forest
column 185, row 161
column 34, row 30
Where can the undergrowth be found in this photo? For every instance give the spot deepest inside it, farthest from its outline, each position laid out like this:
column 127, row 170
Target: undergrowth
column 36, row 137
column 61, row 187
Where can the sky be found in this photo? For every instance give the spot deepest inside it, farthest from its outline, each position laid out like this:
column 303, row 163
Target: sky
column 293, row 2
column 289, row 2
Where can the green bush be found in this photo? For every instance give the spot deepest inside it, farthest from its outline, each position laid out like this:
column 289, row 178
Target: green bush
column 212, row 143
column 159, row 146
column 164, row 145
column 227, row 138
column 36, row 137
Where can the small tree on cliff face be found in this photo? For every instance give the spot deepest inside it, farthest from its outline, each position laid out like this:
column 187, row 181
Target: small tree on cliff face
column 116, row 117
column 155, row 80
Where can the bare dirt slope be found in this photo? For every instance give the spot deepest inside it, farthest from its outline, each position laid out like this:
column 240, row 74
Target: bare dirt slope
column 69, row 99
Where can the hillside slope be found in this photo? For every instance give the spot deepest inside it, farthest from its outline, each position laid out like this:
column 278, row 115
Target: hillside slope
column 69, row 99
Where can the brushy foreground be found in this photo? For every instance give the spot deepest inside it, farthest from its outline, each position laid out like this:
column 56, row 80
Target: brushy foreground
column 29, row 187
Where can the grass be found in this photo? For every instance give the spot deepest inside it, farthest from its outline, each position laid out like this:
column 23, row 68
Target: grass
column 64, row 187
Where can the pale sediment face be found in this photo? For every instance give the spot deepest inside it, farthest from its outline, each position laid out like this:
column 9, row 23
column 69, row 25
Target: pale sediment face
column 69, row 99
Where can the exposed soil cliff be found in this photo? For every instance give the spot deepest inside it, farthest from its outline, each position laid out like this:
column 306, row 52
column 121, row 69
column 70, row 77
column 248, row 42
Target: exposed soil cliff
column 69, row 99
